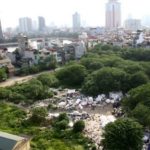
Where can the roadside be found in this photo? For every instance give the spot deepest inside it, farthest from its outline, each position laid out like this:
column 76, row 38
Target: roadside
column 13, row 80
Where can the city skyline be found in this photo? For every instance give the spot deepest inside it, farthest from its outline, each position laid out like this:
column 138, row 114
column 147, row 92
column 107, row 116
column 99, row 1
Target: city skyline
column 60, row 12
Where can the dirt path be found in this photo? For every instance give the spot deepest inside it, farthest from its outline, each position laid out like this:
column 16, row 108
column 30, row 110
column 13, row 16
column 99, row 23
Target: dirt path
column 14, row 80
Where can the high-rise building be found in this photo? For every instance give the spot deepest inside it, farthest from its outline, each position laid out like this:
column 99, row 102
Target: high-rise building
column 25, row 25
column 76, row 22
column 41, row 23
column 34, row 25
column 133, row 24
column 113, row 14
column 1, row 32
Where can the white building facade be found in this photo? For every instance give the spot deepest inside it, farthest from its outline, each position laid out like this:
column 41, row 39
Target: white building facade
column 133, row 24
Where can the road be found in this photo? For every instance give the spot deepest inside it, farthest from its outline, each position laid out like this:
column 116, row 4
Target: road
column 14, row 80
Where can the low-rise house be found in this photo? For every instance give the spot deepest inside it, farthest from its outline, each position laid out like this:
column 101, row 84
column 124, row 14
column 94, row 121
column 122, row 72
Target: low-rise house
column 6, row 62
column 13, row 142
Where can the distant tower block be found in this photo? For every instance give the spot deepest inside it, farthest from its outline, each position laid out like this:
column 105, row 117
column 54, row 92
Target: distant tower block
column 76, row 22
column 113, row 14
column 1, row 32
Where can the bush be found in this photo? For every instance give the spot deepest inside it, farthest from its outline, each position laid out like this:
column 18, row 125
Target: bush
column 48, row 79
column 78, row 126
column 16, row 97
column 61, row 125
column 72, row 75
column 38, row 115
column 34, row 69
column 3, row 75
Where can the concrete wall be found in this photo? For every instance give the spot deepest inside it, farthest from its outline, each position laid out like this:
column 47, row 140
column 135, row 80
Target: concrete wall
column 22, row 145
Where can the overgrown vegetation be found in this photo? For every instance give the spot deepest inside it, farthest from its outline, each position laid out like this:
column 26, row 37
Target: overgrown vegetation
column 28, row 92
column 3, row 74
column 48, row 63
column 104, row 69
column 16, row 121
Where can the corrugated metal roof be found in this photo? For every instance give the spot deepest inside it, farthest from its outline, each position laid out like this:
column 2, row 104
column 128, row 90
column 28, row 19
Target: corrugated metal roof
column 10, row 136
column 8, row 141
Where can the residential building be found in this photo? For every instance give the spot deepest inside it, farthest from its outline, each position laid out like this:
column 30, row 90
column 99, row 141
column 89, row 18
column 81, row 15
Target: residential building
column 25, row 25
column 80, row 49
column 113, row 14
column 133, row 24
column 1, row 32
column 41, row 23
column 74, row 50
column 76, row 22
column 5, row 61
column 22, row 44
column 13, row 142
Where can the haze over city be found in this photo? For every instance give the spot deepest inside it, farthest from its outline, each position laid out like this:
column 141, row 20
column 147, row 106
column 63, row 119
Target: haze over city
column 60, row 12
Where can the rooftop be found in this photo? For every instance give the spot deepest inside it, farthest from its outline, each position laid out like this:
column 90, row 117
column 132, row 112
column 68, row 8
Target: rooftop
column 8, row 141
column 10, row 136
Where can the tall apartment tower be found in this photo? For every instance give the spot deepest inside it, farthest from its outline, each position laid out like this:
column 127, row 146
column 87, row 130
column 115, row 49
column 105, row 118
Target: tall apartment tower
column 1, row 32
column 113, row 14
column 76, row 22
column 41, row 23
column 25, row 25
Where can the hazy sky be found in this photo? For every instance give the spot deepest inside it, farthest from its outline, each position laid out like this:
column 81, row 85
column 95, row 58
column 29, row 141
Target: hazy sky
column 60, row 11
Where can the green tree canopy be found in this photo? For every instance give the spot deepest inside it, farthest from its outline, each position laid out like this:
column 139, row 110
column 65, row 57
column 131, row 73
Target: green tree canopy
column 92, row 64
column 138, row 79
column 137, row 104
column 123, row 134
column 48, row 79
column 105, row 80
column 72, row 75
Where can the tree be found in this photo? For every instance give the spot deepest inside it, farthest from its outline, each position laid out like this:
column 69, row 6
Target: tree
column 92, row 64
column 136, row 96
column 48, row 79
column 78, row 126
column 72, row 75
column 105, row 80
column 24, row 70
column 142, row 114
column 34, row 69
column 123, row 134
column 137, row 104
column 39, row 91
column 3, row 75
column 137, row 54
column 138, row 79
column 38, row 115
column 106, row 47
column 132, row 67
column 50, row 62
